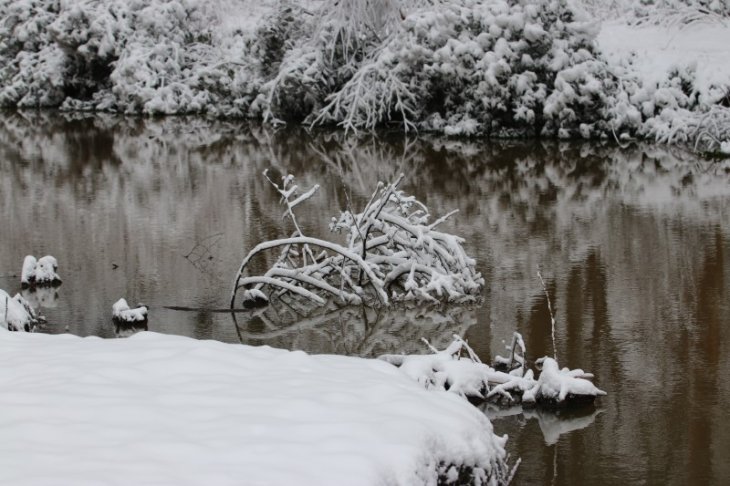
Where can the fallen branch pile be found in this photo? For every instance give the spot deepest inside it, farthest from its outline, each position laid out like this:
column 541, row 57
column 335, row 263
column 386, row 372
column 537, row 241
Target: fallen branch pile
column 391, row 252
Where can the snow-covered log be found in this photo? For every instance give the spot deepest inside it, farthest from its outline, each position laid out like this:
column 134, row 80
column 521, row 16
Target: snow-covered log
column 41, row 272
column 392, row 252
column 469, row 377
column 122, row 313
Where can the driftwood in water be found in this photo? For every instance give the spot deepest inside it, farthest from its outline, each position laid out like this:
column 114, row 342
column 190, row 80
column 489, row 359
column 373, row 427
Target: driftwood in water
column 468, row 376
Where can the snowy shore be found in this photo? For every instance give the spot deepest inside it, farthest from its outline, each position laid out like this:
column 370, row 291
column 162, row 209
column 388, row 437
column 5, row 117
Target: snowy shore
column 170, row 410
column 464, row 67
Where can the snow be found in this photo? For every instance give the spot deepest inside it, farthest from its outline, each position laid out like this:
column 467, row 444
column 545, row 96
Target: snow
column 122, row 312
column 15, row 313
column 657, row 49
column 27, row 275
column 462, row 68
column 556, row 384
column 171, row 410
column 467, row 376
column 40, row 272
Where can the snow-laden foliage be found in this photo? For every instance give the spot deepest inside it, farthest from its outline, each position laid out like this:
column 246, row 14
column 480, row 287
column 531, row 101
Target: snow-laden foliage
column 464, row 67
column 467, row 376
column 392, row 252
column 166, row 56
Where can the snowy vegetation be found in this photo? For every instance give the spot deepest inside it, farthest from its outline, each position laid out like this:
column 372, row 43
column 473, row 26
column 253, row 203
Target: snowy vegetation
column 392, row 252
column 464, row 67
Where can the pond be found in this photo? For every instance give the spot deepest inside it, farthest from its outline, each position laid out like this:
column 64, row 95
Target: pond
column 633, row 243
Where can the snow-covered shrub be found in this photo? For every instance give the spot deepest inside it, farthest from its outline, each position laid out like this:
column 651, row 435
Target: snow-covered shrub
column 392, row 252
column 165, row 56
column 470, row 67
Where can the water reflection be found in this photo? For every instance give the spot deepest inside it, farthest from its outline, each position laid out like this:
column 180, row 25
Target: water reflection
column 553, row 423
column 357, row 331
column 634, row 245
column 41, row 297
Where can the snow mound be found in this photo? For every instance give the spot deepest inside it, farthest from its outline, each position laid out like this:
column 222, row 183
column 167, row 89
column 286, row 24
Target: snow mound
column 122, row 312
column 39, row 273
column 184, row 411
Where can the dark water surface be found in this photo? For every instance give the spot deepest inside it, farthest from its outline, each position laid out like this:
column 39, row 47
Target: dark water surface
column 634, row 245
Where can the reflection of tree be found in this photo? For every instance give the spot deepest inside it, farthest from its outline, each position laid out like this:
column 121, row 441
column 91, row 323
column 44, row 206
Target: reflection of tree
column 355, row 330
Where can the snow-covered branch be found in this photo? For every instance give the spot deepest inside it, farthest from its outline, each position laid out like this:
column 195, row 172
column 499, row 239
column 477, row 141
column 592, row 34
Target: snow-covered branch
column 459, row 370
column 391, row 252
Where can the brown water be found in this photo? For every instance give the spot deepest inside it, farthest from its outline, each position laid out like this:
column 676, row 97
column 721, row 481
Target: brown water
column 634, row 245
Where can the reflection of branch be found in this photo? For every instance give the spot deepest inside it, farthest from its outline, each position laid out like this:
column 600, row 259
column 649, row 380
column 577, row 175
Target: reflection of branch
column 201, row 254
column 553, row 424
column 359, row 330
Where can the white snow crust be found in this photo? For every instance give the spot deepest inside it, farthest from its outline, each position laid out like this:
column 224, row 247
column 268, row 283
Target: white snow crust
column 160, row 409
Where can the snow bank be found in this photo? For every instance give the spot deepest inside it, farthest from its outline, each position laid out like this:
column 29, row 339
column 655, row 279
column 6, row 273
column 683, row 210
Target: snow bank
column 174, row 410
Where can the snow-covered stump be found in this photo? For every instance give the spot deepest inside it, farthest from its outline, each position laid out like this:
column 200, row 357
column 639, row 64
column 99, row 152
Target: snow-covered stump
column 228, row 414
column 39, row 273
column 392, row 252
column 556, row 387
column 123, row 315
column 16, row 314
column 467, row 376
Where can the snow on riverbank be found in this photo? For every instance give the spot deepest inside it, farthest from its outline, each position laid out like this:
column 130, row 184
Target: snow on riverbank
column 657, row 49
column 170, row 410
column 505, row 68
